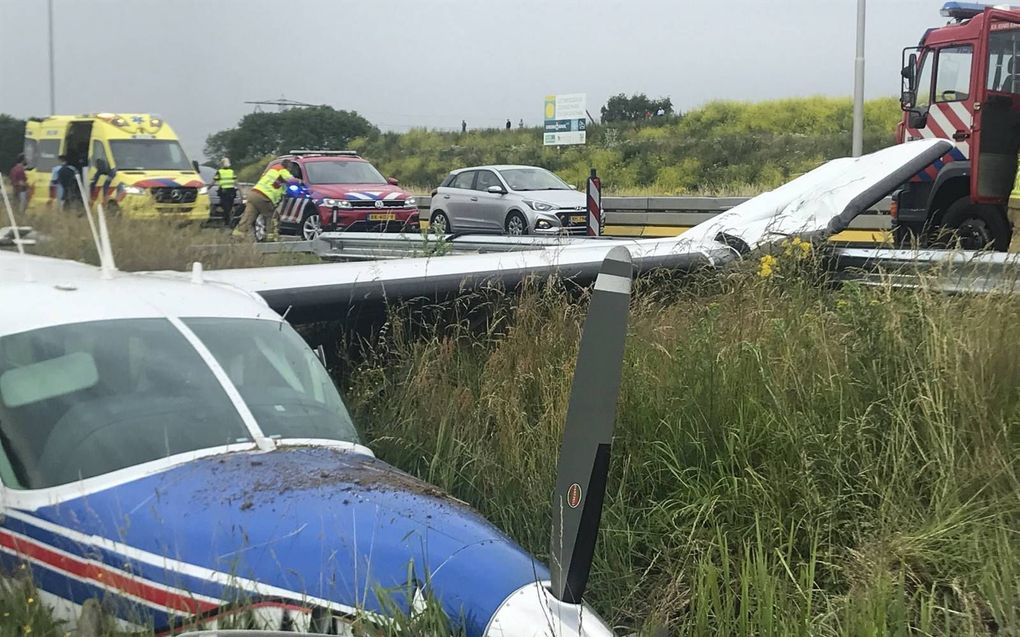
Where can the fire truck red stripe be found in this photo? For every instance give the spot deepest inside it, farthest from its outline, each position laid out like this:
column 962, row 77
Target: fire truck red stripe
column 104, row 577
column 953, row 118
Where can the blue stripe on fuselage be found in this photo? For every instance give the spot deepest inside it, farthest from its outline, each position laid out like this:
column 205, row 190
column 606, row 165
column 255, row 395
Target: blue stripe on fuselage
column 315, row 521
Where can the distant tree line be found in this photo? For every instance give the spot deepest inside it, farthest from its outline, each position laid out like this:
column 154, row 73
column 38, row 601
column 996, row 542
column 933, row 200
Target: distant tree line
column 621, row 108
column 260, row 135
column 12, row 140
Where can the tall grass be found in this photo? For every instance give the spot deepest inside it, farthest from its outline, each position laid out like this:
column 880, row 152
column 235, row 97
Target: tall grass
column 789, row 458
column 149, row 244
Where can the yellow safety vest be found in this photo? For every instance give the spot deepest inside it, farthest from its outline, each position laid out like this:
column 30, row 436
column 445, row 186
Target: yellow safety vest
column 225, row 178
column 1014, row 197
column 273, row 183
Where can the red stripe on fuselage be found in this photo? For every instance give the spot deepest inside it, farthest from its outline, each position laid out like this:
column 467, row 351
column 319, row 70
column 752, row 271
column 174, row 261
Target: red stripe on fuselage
column 104, row 577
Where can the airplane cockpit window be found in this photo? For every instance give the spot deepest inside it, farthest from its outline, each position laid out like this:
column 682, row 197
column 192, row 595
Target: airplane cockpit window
column 81, row 400
column 284, row 385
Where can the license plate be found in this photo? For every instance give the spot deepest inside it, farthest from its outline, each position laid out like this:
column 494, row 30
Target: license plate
column 381, row 216
column 578, row 219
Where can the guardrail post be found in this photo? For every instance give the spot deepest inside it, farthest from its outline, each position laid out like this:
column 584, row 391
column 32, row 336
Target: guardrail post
column 594, row 198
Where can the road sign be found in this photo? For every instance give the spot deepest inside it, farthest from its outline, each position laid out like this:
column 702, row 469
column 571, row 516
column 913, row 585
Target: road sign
column 565, row 119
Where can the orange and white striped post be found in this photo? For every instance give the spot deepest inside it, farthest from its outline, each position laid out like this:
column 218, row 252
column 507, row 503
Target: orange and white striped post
column 594, row 198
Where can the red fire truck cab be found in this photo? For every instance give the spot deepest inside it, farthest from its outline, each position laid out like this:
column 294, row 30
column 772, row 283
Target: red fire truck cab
column 962, row 83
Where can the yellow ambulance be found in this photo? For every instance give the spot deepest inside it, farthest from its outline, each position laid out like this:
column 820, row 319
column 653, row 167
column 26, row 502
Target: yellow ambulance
column 132, row 163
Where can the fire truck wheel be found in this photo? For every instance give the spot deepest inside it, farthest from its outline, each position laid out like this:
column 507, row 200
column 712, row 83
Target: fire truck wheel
column 976, row 226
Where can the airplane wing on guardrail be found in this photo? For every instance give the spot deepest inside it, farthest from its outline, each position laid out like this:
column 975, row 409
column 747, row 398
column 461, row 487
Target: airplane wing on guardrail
column 817, row 204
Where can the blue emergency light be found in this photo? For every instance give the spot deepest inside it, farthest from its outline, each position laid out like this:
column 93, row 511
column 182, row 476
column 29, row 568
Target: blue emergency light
column 967, row 10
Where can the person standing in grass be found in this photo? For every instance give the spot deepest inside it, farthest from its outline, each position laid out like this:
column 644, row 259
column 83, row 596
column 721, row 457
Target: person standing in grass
column 264, row 198
column 225, row 182
column 68, row 184
column 19, row 181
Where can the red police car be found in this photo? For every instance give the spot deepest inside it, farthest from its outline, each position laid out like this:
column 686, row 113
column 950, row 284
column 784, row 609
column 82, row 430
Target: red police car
column 342, row 191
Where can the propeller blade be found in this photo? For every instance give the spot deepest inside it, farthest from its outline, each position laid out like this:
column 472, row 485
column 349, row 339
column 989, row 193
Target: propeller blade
column 588, row 433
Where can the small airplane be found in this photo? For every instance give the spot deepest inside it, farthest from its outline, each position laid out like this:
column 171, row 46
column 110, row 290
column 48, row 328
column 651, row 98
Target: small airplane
column 170, row 445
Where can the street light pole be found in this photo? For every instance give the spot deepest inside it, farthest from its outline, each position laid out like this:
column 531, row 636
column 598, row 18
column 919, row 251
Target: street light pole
column 53, row 97
column 858, row 135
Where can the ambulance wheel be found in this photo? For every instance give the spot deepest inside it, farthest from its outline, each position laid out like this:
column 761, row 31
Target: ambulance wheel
column 311, row 224
column 974, row 226
column 259, row 228
column 112, row 209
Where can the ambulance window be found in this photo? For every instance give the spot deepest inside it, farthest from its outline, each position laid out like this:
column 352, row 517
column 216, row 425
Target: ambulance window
column 98, row 152
column 924, row 81
column 46, row 159
column 952, row 83
column 31, row 148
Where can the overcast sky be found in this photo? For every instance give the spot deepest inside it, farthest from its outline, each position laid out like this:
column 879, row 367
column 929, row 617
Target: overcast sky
column 404, row 63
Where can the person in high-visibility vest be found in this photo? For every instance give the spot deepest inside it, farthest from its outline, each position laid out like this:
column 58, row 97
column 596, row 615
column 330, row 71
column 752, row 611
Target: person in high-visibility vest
column 263, row 199
column 225, row 182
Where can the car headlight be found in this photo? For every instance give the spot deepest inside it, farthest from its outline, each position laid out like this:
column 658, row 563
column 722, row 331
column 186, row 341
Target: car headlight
column 204, row 190
column 336, row 203
column 541, row 206
column 411, row 202
column 134, row 190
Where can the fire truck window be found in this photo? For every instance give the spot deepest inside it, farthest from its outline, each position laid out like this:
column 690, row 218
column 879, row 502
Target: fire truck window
column 1004, row 61
column 952, row 84
column 924, row 82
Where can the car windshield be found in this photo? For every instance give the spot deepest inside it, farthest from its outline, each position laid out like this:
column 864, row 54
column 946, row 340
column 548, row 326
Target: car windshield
column 342, row 172
column 283, row 383
column 532, row 179
column 148, row 154
column 81, row 400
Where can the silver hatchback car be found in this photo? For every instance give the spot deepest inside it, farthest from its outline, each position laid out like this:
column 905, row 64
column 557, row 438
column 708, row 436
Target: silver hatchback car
column 516, row 200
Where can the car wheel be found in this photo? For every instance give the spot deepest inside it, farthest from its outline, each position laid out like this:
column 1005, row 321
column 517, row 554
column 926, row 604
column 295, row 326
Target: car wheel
column 516, row 225
column 975, row 226
column 311, row 226
column 259, row 228
column 440, row 223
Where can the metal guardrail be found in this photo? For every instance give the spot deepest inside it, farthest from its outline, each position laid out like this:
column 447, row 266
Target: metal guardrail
column 686, row 212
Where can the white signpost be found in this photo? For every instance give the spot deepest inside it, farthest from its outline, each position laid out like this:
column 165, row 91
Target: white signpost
column 565, row 119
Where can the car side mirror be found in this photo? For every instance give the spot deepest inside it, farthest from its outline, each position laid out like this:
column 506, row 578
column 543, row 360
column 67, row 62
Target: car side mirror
column 102, row 167
column 194, row 164
column 496, row 190
column 392, row 181
column 572, row 187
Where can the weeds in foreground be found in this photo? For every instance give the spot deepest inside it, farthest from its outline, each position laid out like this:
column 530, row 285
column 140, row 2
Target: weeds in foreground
column 789, row 458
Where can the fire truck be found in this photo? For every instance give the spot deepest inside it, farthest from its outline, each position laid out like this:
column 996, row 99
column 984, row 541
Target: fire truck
column 962, row 83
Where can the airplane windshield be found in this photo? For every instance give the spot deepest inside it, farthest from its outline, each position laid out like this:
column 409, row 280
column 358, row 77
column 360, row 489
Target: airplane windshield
column 84, row 399
column 284, row 385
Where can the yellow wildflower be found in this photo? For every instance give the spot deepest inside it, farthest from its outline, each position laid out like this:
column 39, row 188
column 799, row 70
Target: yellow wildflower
column 767, row 266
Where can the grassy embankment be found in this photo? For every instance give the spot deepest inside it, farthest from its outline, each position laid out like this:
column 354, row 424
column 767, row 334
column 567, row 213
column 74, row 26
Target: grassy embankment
column 718, row 148
column 789, row 459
